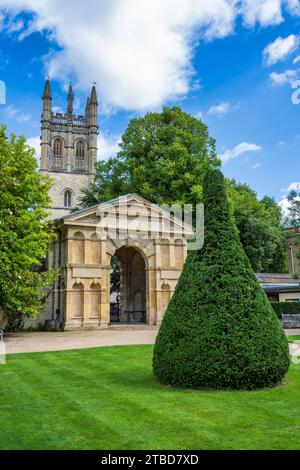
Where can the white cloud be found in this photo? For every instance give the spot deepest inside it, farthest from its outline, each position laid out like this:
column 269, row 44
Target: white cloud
column 296, row 60
column 16, row 114
column 108, row 146
column 14, row 26
column 199, row 115
column 293, row 7
column 265, row 12
column 292, row 187
column 285, row 203
column 279, row 79
column 256, row 166
column 239, row 150
column 35, row 142
column 57, row 109
column 220, row 109
column 139, row 51
column 280, row 49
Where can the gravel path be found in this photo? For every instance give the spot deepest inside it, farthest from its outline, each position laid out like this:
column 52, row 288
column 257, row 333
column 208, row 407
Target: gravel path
column 46, row 341
column 294, row 332
column 57, row 341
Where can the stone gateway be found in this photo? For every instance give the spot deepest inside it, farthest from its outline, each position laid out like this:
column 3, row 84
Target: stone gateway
column 150, row 260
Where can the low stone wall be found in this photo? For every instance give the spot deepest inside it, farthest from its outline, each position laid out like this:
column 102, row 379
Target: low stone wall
column 290, row 321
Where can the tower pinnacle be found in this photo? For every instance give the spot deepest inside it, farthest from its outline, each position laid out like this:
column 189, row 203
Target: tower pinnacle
column 70, row 102
column 47, row 90
column 93, row 108
column 47, row 102
column 94, row 99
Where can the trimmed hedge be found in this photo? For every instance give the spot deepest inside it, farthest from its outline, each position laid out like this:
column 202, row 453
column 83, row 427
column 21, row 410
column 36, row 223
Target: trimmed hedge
column 219, row 330
column 286, row 308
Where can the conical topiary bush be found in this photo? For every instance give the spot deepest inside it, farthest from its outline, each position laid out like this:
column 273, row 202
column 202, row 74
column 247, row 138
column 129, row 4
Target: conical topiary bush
column 220, row 330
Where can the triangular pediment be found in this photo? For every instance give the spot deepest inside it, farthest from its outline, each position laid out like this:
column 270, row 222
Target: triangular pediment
column 129, row 209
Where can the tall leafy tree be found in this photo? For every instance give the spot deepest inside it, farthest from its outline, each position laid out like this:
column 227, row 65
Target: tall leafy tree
column 219, row 330
column 23, row 235
column 293, row 216
column 259, row 223
column 163, row 156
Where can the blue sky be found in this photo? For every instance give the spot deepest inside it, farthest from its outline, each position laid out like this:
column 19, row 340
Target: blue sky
column 229, row 62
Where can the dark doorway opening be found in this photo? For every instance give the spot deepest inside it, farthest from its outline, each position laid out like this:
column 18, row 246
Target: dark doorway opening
column 128, row 287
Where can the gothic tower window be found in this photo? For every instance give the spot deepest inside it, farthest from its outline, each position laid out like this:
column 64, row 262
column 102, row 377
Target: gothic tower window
column 80, row 155
column 67, row 198
column 57, row 153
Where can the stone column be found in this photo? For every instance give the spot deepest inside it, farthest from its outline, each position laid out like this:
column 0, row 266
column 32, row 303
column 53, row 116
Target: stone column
column 103, row 255
column 70, row 251
column 105, row 298
column 152, row 300
column 147, row 293
column 86, row 304
column 87, row 251
column 68, row 311
column 157, row 254
column 159, row 313
column 172, row 253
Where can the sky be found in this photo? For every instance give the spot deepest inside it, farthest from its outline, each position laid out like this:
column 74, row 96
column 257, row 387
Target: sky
column 235, row 64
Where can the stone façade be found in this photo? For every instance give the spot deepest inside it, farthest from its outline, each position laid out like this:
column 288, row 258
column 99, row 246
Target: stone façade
column 83, row 249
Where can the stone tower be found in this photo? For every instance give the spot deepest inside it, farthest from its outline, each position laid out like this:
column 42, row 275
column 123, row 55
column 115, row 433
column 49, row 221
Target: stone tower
column 68, row 150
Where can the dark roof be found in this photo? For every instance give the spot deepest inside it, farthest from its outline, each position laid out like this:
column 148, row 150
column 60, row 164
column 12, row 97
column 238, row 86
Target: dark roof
column 280, row 288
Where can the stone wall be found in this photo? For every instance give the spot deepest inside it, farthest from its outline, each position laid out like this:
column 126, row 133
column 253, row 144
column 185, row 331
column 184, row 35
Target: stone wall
column 74, row 182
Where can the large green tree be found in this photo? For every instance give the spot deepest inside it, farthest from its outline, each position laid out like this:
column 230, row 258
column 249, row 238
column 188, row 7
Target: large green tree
column 259, row 223
column 219, row 330
column 23, row 238
column 293, row 215
column 163, row 157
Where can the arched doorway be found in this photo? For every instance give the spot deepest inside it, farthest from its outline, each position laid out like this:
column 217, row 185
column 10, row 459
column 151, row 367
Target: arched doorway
column 128, row 287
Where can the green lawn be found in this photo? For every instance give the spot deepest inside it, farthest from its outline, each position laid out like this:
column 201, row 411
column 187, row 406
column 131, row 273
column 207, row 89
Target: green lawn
column 107, row 398
column 294, row 338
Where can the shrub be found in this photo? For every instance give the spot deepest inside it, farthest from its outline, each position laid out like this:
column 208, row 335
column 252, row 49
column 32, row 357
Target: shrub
column 219, row 330
column 286, row 308
column 15, row 322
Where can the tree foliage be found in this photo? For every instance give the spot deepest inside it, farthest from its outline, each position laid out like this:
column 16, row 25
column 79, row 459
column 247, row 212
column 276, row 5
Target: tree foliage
column 259, row 223
column 163, row 157
column 23, row 238
column 293, row 216
column 219, row 330
column 292, row 219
